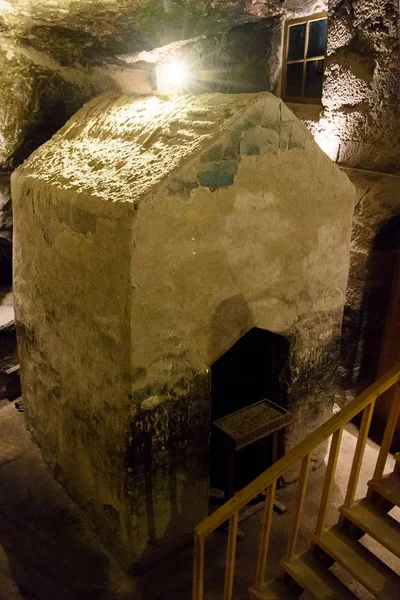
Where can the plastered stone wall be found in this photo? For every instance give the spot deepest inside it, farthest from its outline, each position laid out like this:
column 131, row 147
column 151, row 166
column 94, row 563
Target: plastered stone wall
column 361, row 90
column 150, row 235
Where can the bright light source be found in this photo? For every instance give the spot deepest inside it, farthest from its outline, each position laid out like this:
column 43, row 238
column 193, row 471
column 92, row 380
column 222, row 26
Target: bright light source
column 171, row 76
column 6, row 6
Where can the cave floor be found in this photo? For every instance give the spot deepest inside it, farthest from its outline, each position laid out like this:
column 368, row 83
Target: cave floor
column 49, row 552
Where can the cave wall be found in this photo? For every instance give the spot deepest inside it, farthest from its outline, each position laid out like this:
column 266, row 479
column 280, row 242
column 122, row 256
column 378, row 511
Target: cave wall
column 118, row 26
column 358, row 125
column 39, row 93
column 360, row 128
column 375, row 239
column 37, row 96
column 357, row 121
column 362, row 83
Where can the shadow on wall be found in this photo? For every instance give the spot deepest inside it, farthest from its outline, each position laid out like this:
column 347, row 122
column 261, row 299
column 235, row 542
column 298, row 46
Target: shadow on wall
column 232, row 318
column 367, row 306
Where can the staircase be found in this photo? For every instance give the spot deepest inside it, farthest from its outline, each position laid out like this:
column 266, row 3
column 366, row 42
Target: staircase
column 340, row 544
column 310, row 572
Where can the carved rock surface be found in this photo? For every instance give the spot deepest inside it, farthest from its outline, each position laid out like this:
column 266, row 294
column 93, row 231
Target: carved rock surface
column 375, row 241
column 37, row 95
column 112, row 26
column 361, row 92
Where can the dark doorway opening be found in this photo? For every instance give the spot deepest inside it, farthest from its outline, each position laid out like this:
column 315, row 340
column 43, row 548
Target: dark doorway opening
column 251, row 370
column 5, row 262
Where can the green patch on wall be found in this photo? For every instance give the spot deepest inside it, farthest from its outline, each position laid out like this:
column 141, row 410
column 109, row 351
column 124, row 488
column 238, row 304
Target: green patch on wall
column 219, row 175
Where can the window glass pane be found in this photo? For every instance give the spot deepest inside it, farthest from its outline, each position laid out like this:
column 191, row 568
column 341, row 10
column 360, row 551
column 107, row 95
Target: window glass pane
column 317, row 38
column 297, row 36
column 294, row 79
column 314, row 74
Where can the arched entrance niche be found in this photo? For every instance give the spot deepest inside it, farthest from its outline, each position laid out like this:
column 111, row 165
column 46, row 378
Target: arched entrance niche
column 251, row 370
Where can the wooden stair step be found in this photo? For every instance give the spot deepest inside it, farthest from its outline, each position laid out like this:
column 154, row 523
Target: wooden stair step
column 369, row 518
column 316, row 579
column 388, row 487
column 273, row 590
column 367, row 568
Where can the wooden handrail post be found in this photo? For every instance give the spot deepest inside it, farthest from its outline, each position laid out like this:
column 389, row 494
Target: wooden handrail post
column 298, row 508
column 198, row 568
column 359, row 453
column 390, row 428
column 329, row 478
column 231, row 555
column 265, row 535
column 266, row 482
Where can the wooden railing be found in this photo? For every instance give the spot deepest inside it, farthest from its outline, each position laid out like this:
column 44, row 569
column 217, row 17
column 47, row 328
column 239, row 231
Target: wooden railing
column 266, row 483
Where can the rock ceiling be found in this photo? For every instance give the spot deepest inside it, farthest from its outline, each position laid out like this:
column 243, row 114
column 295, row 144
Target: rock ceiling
column 113, row 26
column 57, row 54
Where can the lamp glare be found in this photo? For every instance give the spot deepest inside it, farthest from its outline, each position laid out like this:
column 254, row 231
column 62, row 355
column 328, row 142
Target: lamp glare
column 171, row 75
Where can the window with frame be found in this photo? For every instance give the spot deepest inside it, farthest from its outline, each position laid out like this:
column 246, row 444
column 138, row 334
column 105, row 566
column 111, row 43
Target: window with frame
column 304, row 58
